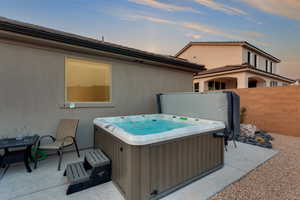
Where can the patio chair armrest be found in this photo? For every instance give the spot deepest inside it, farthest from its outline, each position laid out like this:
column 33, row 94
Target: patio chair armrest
column 38, row 142
column 43, row 137
column 67, row 137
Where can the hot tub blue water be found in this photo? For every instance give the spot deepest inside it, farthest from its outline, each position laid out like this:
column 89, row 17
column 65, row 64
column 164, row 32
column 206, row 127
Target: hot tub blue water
column 146, row 127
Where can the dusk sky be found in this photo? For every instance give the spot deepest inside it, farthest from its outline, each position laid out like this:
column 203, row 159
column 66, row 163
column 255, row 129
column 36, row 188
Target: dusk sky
column 165, row 26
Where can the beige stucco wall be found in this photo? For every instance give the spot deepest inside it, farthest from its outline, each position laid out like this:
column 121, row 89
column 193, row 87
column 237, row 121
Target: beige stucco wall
column 261, row 61
column 32, row 90
column 218, row 56
column 213, row 56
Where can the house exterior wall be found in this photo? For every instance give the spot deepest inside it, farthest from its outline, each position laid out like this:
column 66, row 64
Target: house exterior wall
column 213, row 56
column 261, row 60
column 242, row 79
column 218, row 56
column 33, row 94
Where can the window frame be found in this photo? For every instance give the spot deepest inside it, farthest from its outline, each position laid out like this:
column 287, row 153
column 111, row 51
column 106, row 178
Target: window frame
column 216, row 85
column 274, row 83
column 92, row 104
column 255, row 60
column 249, row 58
column 267, row 63
column 271, row 67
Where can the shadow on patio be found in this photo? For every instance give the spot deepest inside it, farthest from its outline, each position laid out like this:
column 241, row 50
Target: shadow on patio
column 47, row 183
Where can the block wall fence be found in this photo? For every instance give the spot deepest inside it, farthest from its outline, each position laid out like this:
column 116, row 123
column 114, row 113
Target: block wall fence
column 273, row 109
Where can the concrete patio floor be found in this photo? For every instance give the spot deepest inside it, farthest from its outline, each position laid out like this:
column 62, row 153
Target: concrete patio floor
column 49, row 184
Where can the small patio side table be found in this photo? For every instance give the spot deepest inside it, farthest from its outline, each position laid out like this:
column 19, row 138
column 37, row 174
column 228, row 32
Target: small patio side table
column 18, row 155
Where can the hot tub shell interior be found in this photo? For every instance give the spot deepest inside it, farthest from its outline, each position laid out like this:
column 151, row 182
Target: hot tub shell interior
column 154, row 170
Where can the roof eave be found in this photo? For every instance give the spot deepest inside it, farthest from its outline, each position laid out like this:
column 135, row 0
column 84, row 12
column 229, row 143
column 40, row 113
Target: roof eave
column 250, row 46
column 245, row 69
column 235, row 43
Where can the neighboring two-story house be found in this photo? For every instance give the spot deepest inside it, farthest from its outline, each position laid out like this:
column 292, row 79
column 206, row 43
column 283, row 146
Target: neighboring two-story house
column 232, row 65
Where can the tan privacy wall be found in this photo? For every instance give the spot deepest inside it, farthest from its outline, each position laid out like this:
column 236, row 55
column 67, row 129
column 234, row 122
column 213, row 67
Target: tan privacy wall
column 275, row 109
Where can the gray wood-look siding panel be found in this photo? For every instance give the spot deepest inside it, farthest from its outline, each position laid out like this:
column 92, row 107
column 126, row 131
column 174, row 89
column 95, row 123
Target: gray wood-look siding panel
column 174, row 162
column 145, row 165
column 111, row 146
column 137, row 171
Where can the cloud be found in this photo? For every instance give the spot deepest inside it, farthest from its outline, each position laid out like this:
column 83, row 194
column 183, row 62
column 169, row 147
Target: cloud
column 253, row 33
column 164, row 6
column 250, row 36
column 189, row 25
column 286, row 8
column 151, row 19
column 221, row 7
column 210, row 30
column 193, row 35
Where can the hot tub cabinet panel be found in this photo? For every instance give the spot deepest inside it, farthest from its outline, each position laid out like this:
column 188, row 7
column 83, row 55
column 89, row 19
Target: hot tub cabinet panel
column 154, row 170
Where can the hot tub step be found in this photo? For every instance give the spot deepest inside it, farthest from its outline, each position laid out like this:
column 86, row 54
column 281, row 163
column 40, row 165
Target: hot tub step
column 76, row 173
column 94, row 170
column 96, row 158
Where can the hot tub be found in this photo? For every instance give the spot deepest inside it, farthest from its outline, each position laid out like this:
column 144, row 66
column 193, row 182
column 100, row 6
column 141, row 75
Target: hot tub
column 153, row 155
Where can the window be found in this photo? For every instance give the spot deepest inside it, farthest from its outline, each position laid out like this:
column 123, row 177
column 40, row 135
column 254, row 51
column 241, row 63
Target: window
column 87, row 81
column 216, row 85
column 267, row 63
column 271, row 67
column 211, row 85
column 252, row 83
column 196, row 87
column 249, row 58
column 255, row 60
column 273, row 83
column 223, row 86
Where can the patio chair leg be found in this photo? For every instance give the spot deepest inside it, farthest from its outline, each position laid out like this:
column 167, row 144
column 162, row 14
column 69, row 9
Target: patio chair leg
column 234, row 143
column 35, row 163
column 35, row 154
column 76, row 147
column 60, row 152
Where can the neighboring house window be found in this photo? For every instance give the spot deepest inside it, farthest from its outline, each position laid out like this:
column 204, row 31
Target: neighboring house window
column 273, row 83
column 216, row 85
column 87, row 81
column 196, row 87
column 271, row 67
column 267, row 63
column 252, row 83
column 255, row 60
column 249, row 58
column 211, row 85
column 223, row 86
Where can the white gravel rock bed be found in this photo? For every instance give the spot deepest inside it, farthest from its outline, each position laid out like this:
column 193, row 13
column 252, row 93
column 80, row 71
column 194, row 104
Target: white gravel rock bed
column 277, row 179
